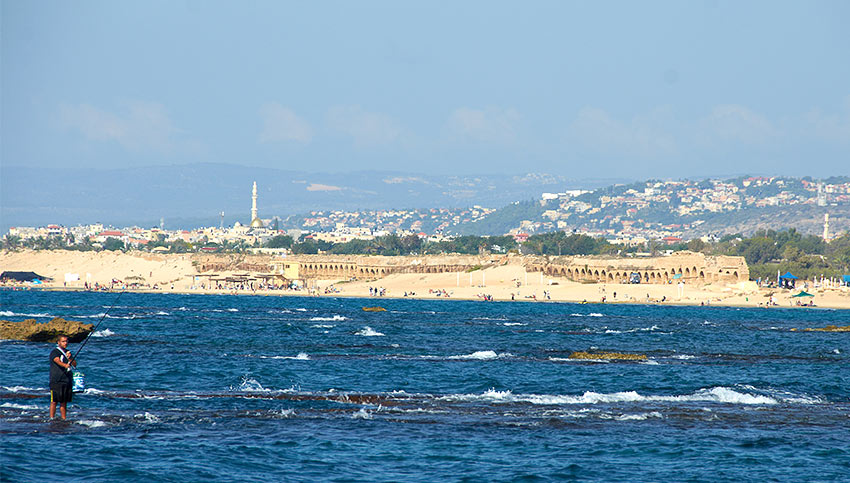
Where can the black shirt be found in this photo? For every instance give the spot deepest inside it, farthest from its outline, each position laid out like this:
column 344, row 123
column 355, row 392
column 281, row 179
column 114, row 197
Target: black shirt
column 58, row 374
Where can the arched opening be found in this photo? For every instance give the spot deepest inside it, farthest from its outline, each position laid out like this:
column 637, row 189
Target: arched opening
column 701, row 275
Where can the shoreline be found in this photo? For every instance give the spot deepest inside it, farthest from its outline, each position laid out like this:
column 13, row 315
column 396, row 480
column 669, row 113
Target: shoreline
column 503, row 283
column 365, row 297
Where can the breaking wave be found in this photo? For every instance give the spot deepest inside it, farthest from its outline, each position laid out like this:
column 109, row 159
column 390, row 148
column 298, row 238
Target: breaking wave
column 368, row 332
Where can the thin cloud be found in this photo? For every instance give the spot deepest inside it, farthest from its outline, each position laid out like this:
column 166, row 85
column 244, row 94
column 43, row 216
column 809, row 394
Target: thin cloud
column 488, row 126
column 138, row 126
column 829, row 127
column 646, row 136
column 281, row 124
column 367, row 129
column 736, row 123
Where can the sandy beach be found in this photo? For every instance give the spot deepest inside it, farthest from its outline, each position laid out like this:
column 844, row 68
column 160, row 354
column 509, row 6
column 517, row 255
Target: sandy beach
column 178, row 273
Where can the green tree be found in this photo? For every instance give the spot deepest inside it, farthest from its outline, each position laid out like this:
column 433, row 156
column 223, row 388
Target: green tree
column 696, row 245
column 279, row 241
column 113, row 244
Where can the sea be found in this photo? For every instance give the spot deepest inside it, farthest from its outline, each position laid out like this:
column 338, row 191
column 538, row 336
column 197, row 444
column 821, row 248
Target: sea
column 266, row 388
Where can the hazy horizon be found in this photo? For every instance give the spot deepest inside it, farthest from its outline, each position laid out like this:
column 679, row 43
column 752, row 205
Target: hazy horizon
column 659, row 89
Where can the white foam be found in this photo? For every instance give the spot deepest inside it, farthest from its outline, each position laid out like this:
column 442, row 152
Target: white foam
column 683, row 357
column 301, row 309
column 335, row 318
column 639, row 329
column 284, row 413
column 9, row 313
column 147, row 417
column 836, row 351
column 639, row 417
column 232, row 310
column 513, row 323
column 91, row 423
column 322, row 326
column 162, row 312
column 362, row 414
column 21, row 388
column 93, row 391
column 18, row 406
column 103, row 333
column 368, row 332
column 482, row 355
column 250, row 384
column 716, row 394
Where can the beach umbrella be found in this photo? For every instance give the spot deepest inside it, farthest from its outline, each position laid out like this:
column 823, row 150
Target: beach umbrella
column 803, row 293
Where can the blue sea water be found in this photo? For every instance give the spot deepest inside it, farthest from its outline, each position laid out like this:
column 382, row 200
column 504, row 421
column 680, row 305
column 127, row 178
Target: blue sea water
column 204, row 387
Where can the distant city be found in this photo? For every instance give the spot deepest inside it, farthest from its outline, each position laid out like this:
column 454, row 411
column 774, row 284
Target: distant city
column 668, row 211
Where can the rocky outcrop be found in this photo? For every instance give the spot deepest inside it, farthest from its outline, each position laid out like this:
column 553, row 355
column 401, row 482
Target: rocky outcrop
column 32, row 330
column 607, row 356
column 828, row 328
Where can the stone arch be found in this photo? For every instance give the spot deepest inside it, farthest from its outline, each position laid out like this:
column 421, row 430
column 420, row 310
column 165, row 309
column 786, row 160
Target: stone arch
column 596, row 273
column 701, row 275
column 687, row 272
column 610, row 277
column 735, row 274
column 679, row 272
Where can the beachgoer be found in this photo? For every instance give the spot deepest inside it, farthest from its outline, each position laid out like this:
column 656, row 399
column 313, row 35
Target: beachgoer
column 61, row 379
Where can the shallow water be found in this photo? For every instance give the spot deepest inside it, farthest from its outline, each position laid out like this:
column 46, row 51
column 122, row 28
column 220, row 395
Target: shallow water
column 190, row 387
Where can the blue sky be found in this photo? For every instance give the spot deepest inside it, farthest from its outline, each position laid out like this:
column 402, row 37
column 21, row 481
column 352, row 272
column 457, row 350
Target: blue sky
column 581, row 89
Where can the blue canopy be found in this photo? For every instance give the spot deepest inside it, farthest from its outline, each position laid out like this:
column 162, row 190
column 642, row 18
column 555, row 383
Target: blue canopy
column 846, row 278
column 788, row 275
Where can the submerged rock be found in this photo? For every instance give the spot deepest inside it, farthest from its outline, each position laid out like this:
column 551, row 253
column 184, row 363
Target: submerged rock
column 619, row 356
column 33, row 331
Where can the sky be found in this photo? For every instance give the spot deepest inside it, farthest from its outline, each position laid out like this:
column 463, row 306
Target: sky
column 603, row 89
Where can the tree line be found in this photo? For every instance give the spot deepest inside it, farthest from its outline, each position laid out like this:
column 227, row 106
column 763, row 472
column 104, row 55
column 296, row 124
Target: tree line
column 766, row 251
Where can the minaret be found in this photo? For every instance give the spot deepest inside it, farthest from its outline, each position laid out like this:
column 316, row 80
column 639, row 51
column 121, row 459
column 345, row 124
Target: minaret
column 255, row 221
column 826, row 227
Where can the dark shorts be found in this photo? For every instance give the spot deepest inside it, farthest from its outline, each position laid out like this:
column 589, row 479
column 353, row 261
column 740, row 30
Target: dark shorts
column 60, row 393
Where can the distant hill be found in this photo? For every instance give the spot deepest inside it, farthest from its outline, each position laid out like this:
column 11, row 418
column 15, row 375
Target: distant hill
column 188, row 196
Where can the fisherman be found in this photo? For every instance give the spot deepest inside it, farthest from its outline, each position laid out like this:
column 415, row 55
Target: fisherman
column 61, row 378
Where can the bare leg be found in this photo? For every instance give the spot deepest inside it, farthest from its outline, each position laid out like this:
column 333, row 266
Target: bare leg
column 52, row 409
column 63, row 408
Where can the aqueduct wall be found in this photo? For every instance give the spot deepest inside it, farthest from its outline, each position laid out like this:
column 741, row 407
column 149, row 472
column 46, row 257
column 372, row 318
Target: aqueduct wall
column 689, row 267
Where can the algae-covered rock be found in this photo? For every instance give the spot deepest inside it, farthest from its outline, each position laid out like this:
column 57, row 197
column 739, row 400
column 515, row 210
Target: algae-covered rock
column 619, row 356
column 33, row 331
column 830, row 328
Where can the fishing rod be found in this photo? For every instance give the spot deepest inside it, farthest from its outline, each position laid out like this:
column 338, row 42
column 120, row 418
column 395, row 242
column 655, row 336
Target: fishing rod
column 98, row 323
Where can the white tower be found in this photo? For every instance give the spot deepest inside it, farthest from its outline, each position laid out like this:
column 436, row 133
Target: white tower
column 826, row 227
column 255, row 221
